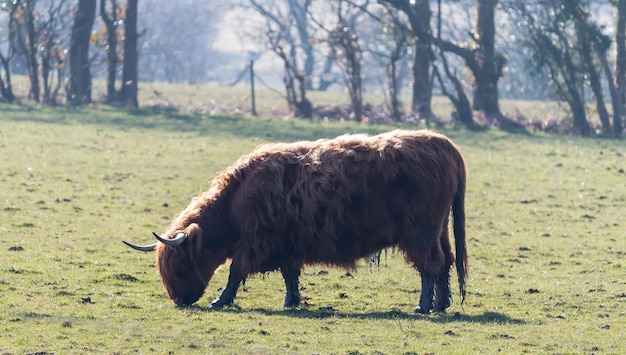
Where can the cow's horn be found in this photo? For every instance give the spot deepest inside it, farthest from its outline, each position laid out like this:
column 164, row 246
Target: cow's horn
column 151, row 247
column 177, row 240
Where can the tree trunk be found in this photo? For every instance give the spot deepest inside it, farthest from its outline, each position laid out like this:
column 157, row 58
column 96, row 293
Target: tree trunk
column 31, row 49
column 299, row 11
column 463, row 113
column 80, row 76
column 596, row 86
column 581, row 125
column 486, row 66
column 304, row 107
column 128, row 92
column 603, row 113
column 392, row 86
column 422, row 88
column 486, row 94
column 252, row 93
column 613, row 91
column 346, row 38
column 326, row 78
column 421, row 82
column 620, row 70
column 587, row 41
column 46, row 56
column 355, row 81
column 418, row 13
column 111, row 49
column 6, row 89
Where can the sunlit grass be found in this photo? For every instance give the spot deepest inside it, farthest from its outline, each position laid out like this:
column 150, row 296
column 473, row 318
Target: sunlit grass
column 546, row 231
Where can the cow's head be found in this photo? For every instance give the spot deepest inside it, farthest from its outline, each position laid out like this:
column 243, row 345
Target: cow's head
column 184, row 266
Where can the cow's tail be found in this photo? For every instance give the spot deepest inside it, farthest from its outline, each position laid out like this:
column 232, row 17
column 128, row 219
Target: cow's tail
column 458, row 218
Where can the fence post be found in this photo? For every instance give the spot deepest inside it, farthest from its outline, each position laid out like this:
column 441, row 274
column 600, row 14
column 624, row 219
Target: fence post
column 252, row 87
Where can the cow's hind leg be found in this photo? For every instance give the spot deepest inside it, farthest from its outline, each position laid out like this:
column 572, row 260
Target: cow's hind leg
column 227, row 297
column 437, row 286
column 443, row 296
column 424, row 250
column 291, row 277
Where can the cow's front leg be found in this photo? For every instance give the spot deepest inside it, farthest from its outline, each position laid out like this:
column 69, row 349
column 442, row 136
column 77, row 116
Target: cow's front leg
column 426, row 295
column 291, row 277
column 227, row 297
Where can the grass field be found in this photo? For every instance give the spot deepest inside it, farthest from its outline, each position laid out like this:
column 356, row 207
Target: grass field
column 220, row 100
column 546, row 230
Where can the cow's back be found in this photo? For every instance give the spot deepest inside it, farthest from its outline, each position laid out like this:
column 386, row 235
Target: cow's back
column 335, row 201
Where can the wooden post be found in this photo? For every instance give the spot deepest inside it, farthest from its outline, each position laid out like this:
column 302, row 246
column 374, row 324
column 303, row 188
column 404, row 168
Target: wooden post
column 252, row 87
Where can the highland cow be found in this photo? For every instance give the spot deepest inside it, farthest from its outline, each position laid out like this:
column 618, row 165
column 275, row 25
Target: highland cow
column 330, row 201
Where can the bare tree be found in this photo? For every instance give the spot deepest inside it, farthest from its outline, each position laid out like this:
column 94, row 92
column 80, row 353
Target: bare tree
column 36, row 38
column 593, row 40
column 619, row 111
column 293, row 16
column 326, row 76
column 79, row 90
column 24, row 39
column 128, row 92
column 6, row 88
column 485, row 63
column 296, row 99
column 388, row 44
column 298, row 10
column 51, row 53
column 589, row 37
column 110, row 19
column 344, row 43
column 560, row 59
column 177, row 38
column 283, row 34
column 419, row 13
column 563, row 38
column 397, row 45
column 459, row 99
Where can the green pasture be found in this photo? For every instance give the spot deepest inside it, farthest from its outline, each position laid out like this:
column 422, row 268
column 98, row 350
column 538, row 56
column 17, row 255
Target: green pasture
column 546, row 219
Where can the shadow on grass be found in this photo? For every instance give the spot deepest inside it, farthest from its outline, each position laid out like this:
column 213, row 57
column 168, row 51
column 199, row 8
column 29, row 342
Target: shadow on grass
column 327, row 312
column 149, row 120
column 174, row 120
column 269, row 128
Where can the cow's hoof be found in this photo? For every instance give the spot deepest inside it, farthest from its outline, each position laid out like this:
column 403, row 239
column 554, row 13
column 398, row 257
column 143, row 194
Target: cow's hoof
column 218, row 304
column 291, row 302
column 420, row 310
column 440, row 307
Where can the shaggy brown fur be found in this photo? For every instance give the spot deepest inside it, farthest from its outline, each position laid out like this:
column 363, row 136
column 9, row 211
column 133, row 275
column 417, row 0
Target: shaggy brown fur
column 331, row 201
